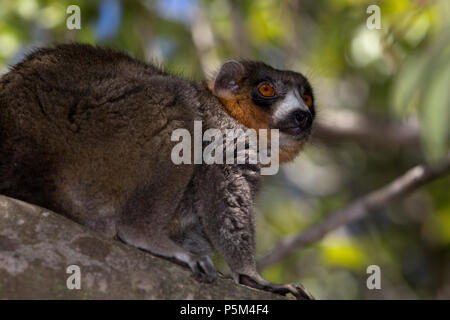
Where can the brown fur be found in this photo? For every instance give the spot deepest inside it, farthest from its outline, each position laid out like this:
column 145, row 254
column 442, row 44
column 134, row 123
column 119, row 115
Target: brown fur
column 86, row 132
column 290, row 151
column 246, row 112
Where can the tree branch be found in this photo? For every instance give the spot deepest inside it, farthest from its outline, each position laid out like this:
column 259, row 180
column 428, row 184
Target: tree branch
column 37, row 246
column 408, row 182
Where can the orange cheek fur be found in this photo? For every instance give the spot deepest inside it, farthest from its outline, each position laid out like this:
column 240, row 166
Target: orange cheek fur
column 242, row 109
column 246, row 113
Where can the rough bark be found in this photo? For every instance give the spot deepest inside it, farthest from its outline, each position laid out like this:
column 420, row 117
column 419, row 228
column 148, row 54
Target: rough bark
column 37, row 246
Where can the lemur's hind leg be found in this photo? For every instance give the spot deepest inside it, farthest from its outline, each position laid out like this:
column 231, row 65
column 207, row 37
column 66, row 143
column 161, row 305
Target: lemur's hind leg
column 150, row 231
column 194, row 240
column 161, row 245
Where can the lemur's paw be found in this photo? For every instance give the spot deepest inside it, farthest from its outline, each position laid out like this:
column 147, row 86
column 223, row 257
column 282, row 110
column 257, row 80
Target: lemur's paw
column 296, row 289
column 202, row 267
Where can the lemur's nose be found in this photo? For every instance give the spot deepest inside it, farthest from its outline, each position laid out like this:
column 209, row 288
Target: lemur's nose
column 303, row 119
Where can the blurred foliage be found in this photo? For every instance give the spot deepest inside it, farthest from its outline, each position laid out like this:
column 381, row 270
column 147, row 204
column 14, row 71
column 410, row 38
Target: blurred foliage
column 400, row 72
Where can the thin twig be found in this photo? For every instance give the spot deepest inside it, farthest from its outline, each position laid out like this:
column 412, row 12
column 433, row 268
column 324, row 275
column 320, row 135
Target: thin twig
column 408, row 182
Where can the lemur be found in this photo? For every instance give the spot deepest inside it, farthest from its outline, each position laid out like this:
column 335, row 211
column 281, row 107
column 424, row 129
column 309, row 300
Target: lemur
column 86, row 132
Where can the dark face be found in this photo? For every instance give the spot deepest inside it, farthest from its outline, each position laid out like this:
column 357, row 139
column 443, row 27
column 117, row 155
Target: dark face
column 286, row 95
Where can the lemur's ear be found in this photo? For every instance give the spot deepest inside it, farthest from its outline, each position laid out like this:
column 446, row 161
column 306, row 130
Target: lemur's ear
column 226, row 83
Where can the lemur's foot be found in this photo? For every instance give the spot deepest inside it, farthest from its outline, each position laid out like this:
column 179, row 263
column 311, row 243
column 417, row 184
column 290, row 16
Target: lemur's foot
column 202, row 267
column 296, row 289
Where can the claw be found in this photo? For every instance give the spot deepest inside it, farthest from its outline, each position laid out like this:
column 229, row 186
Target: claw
column 208, row 268
column 202, row 267
column 299, row 292
column 304, row 294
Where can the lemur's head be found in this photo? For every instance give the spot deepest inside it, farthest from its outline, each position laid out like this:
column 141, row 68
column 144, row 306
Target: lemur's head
column 261, row 97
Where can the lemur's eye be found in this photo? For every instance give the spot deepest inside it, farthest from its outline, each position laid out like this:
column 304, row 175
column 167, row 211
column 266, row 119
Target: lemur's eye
column 308, row 100
column 266, row 90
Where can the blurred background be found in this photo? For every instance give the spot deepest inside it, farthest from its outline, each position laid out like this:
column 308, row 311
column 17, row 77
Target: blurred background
column 383, row 103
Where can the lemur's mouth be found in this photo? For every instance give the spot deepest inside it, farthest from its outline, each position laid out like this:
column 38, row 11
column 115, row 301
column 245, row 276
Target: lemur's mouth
column 297, row 124
column 297, row 132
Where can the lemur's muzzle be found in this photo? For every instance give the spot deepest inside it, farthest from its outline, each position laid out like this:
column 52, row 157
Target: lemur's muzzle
column 298, row 124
